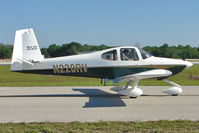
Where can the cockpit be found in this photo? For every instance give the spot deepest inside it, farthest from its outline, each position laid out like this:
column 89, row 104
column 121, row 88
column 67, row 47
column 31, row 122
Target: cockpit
column 128, row 54
column 125, row 54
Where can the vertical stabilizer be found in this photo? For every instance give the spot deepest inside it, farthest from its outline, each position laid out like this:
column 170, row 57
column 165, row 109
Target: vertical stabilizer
column 26, row 50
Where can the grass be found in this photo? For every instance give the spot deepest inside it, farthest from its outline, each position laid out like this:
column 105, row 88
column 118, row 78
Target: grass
column 101, row 127
column 13, row 79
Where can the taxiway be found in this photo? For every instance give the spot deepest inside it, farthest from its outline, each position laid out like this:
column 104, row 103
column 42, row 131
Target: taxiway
column 66, row 104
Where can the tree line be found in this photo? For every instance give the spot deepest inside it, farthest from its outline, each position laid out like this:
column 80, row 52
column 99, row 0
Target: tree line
column 74, row 48
column 5, row 51
column 179, row 51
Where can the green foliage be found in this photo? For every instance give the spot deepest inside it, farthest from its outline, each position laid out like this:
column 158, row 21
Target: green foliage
column 180, row 51
column 53, row 50
column 5, row 51
column 102, row 127
column 44, row 51
column 74, row 48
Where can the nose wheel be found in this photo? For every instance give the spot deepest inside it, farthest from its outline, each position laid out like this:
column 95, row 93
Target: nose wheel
column 175, row 90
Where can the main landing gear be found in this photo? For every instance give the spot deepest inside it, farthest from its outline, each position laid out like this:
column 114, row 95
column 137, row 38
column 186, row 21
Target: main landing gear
column 127, row 90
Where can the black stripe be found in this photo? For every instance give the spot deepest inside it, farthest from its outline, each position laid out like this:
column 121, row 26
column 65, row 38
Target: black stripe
column 107, row 72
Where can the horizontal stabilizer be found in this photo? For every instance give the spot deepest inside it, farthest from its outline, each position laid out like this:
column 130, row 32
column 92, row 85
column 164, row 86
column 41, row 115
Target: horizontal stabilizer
column 26, row 62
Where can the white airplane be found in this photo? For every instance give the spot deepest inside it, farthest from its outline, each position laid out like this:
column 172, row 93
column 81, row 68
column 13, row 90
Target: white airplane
column 117, row 64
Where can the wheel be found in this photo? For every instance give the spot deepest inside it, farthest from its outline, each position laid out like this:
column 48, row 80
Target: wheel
column 133, row 97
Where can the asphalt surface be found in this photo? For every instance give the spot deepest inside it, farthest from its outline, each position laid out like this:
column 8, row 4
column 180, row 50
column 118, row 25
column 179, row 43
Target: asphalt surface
column 66, row 104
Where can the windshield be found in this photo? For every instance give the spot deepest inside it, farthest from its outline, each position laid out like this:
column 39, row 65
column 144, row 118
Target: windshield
column 145, row 54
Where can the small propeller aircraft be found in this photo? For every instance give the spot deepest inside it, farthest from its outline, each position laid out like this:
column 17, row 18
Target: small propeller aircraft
column 129, row 64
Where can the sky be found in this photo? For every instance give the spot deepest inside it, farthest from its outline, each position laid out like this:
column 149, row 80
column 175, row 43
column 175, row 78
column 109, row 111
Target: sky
column 109, row 22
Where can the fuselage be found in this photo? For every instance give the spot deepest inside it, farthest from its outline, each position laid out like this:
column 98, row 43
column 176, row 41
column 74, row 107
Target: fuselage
column 107, row 63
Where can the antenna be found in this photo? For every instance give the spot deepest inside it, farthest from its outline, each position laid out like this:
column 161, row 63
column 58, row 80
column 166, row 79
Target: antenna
column 137, row 44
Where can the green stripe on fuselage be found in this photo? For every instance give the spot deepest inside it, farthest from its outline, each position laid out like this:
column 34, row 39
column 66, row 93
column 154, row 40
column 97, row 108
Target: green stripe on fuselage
column 111, row 72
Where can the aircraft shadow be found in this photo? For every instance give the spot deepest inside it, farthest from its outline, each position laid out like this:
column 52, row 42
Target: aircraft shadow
column 167, row 95
column 99, row 98
column 151, row 95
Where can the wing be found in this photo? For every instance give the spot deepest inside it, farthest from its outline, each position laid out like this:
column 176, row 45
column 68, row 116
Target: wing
column 156, row 73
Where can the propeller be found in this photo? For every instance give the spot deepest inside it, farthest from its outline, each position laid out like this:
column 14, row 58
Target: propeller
column 189, row 71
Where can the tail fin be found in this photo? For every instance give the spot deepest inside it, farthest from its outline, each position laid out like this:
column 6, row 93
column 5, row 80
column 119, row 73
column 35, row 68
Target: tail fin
column 26, row 50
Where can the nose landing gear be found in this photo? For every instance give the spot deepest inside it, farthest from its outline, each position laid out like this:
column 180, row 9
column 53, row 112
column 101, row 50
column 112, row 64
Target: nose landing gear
column 175, row 90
